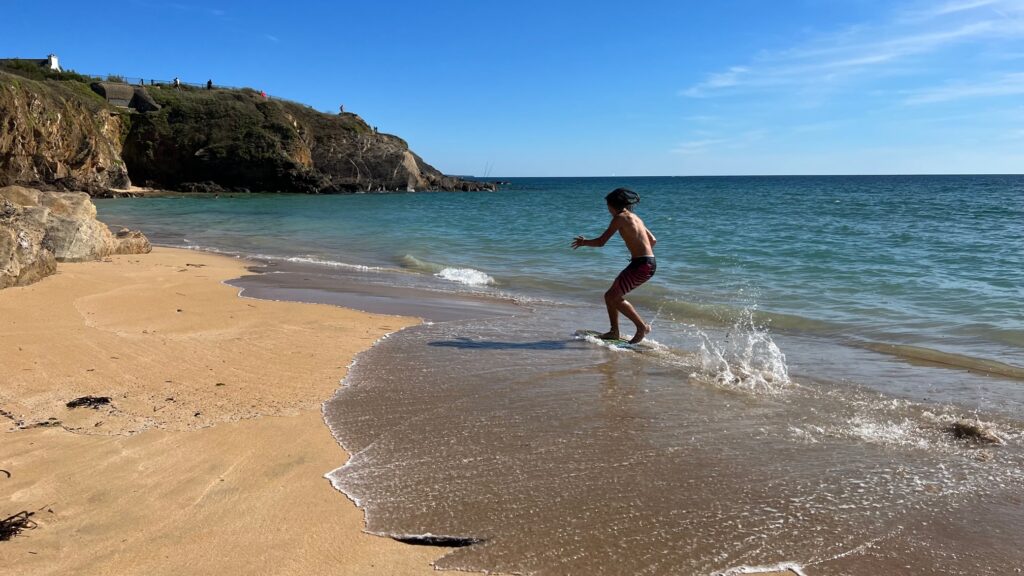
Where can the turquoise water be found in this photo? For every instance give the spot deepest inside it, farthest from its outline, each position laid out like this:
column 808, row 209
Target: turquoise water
column 935, row 262
column 814, row 340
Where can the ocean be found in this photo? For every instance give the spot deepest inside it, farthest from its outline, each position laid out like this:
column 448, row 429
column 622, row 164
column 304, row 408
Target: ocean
column 814, row 339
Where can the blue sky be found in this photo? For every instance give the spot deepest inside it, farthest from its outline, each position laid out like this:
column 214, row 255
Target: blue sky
column 562, row 88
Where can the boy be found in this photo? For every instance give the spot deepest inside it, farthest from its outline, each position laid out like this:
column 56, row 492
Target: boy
column 641, row 268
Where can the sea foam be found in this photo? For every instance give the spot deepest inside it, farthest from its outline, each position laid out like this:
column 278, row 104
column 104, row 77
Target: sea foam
column 467, row 276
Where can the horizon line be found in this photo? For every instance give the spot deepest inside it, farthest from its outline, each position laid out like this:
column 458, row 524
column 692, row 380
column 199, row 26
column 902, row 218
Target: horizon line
column 492, row 178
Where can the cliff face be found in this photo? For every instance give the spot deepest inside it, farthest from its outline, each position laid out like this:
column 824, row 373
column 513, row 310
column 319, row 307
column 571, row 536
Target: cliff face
column 239, row 140
column 58, row 134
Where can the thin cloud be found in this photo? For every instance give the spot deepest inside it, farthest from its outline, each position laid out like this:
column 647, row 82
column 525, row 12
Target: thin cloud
column 692, row 147
column 730, row 77
column 215, row 12
column 947, row 8
column 862, row 49
column 272, row 38
column 697, row 146
column 1007, row 85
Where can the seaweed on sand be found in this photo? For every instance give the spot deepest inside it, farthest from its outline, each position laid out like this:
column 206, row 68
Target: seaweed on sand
column 93, row 402
column 14, row 525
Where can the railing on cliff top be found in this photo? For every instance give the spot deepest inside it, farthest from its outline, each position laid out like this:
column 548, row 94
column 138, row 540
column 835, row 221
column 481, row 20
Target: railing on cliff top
column 151, row 82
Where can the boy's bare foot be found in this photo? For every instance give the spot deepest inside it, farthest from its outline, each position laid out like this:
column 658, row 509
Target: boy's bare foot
column 641, row 333
column 610, row 335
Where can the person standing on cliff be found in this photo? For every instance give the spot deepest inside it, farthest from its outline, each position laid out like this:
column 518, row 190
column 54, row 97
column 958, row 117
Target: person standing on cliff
column 641, row 267
column 209, row 84
column 177, row 83
column 341, row 109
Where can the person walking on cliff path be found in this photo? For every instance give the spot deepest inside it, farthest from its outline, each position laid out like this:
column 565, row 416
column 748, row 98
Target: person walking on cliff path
column 177, row 83
column 209, row 84
column 341, row 109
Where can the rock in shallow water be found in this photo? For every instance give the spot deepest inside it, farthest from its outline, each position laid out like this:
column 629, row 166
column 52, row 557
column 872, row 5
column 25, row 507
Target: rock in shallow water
column 975, row 431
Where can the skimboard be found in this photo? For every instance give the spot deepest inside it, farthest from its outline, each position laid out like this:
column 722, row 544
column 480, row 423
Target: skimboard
column 618, row 343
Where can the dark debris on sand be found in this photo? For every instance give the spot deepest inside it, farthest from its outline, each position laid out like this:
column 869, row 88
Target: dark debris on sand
column 14, row 525
column 93, row 402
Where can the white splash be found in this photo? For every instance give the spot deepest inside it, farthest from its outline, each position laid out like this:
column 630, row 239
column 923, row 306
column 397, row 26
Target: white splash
column 746, row 358
column 467, row 276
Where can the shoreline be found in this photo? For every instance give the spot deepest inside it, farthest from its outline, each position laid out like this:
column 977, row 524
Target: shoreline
column 212, row 453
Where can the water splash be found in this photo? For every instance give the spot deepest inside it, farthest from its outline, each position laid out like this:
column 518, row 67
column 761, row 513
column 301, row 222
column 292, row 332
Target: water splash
column 745, row 358
column 467, row 276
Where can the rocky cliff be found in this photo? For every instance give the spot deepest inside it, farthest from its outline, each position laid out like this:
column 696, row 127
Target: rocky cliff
column 59, row 134
column 39, row 229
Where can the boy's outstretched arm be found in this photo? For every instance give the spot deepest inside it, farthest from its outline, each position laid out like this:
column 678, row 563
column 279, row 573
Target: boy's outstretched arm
column 600, row 240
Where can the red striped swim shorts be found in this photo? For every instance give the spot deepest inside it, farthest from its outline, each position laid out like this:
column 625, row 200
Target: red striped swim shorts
column 640, row 270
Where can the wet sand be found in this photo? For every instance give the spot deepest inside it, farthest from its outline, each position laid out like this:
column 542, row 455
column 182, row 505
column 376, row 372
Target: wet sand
column 210, row 458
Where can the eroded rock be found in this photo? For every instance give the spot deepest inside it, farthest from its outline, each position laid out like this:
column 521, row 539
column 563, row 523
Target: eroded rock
column 23, row 257
column 38, row 229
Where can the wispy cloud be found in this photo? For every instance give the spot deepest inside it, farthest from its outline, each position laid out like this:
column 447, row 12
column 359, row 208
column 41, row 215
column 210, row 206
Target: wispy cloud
column 215, row 12
column 700, row 146
column 938, row 10
column 896, row 44
column 730, row 77
column 1011, row 84
column 697, row 146
column 272, row 38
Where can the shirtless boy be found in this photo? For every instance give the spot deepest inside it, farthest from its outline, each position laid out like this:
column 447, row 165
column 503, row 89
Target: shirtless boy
column 641, row 268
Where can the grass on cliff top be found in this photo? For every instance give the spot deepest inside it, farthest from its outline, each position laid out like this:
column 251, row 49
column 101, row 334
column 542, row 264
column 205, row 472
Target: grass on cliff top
column 242, row 103
column 185, row 99
column 64, row 89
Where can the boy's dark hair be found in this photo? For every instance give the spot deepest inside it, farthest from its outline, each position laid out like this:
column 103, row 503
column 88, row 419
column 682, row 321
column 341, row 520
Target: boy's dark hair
column 622, row 198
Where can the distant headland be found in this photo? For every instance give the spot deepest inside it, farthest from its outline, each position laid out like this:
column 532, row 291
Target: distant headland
column 68, row 131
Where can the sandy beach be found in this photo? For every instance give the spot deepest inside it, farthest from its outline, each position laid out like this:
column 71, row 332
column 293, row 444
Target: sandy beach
column 211, row 455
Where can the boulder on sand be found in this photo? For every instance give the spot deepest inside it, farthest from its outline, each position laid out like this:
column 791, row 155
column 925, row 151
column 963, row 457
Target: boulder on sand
column 38, row 229
column 23, row 259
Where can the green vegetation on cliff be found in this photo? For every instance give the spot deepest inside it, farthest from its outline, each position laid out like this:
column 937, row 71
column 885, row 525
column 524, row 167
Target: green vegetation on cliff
column 198, row 140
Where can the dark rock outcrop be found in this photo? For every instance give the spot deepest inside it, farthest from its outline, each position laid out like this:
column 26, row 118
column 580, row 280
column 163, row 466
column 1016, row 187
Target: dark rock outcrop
column 237, row 140
column 39, row 229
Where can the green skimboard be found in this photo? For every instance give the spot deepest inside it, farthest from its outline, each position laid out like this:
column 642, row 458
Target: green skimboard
column 594, row 337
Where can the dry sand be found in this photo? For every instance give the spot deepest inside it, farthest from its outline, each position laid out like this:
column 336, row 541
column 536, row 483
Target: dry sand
column 211, row 458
